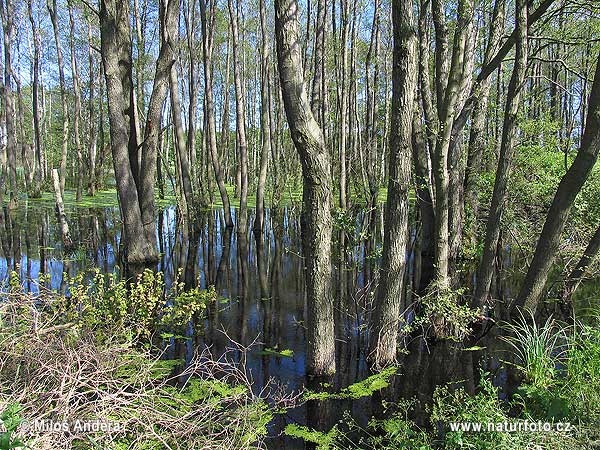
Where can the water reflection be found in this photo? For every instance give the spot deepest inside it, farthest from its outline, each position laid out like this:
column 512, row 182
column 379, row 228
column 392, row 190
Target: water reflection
column 259, row 281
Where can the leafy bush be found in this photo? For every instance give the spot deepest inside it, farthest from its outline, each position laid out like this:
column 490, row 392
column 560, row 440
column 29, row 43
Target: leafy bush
column 66, row 372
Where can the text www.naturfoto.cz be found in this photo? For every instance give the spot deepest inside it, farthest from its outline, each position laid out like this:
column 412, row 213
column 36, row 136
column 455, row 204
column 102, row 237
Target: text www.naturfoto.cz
column 511, row 427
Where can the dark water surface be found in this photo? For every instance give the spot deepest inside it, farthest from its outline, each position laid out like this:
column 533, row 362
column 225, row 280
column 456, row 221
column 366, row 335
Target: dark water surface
column 260, row 286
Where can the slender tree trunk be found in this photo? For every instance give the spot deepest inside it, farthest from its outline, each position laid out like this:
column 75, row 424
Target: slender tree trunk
column 343, row 112
column 265, row 131
column 92, row 128
column 37, row 134
column 60, row 213
column 509, row 131
column 578, row 273
column 77, row 111
column 52, row 9
column 7, row 11
column 388, row 306
column 570, row 185
column 477, row 134
column 207, row 44
column 180, row 144
column 242, row 143
column 316, row 215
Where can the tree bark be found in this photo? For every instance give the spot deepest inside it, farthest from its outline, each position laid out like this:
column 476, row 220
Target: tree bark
column 136, row 198
column 60, row 213
column 316, row 193
column 77, row 111
column 388, row 308
column 509, row 131
column 240, row 116
column 265, row 131
column 447, row 84
column 7, row 11
column 568, row 188
column 92, row 128
column 52, row 10
column 207, row 45
column 37, row 133
column 180, row 144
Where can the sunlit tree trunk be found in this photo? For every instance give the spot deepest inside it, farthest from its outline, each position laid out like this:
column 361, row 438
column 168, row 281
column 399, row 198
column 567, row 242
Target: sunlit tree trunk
column 570, row 185
column 77, row 110
column 92, row 128
column 52, row 9
column 7, row 11
column 388, row 307
column 316, row 215
column 509, row 132
column 207, row 45
column 242, row 142
column 37, row 133
column 265, row 131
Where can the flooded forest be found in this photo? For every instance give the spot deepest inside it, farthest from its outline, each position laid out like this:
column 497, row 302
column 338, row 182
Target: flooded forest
column 290, row 224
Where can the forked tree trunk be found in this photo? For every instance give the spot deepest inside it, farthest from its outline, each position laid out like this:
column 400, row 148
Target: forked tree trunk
column 316, row 192
column 388, row 308
column 136, row 190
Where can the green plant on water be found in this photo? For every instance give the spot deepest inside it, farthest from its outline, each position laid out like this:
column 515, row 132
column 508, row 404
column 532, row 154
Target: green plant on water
column 323, row 441
column 287, row 353
column 10, row 419
column 360, row 389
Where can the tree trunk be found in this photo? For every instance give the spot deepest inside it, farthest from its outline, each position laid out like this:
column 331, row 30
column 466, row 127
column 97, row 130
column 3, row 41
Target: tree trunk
column 7, row 11
column 207, row 45
column 388, row 308
column 570, row 185
column 60, row 213
column 242, row 143
column 316, row 193
column 93, row 130
column 136, row 199
column 180, row 144
column 577, row 274
column 447, row 84
column 265, row 131
column 509, row 131
column 77, row 111
column 477, row 136
column 52, row 9
column 37, row 134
